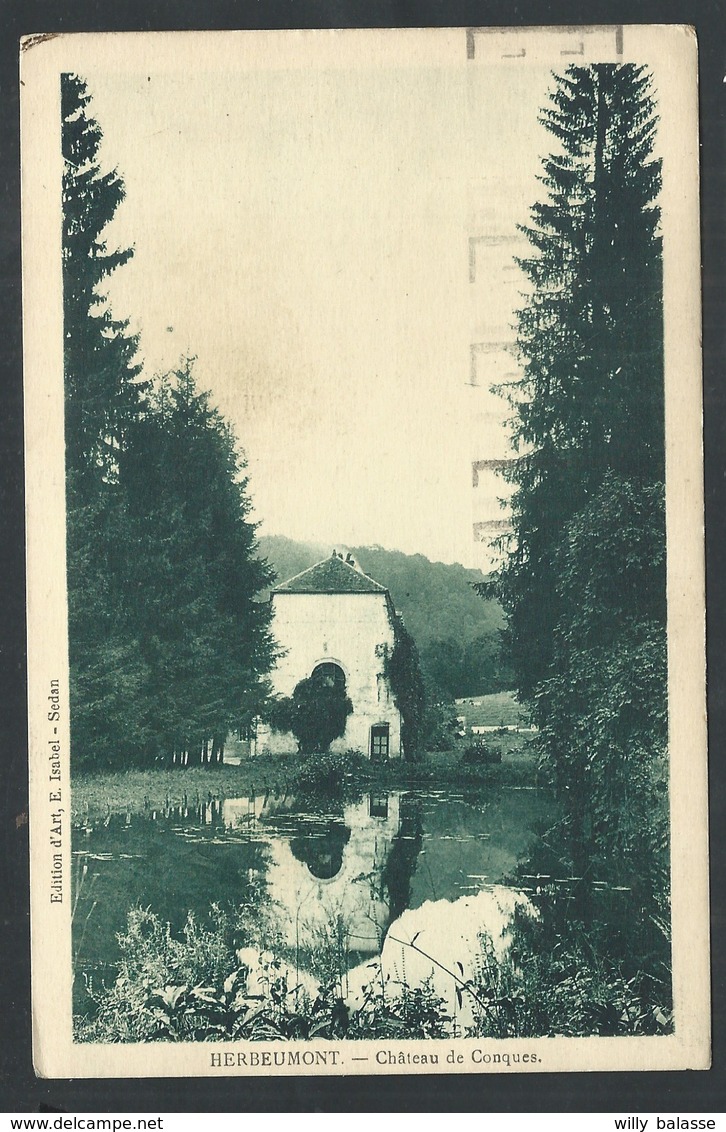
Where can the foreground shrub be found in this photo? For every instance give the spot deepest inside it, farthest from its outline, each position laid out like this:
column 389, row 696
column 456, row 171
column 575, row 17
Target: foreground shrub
column 196, row 989
column 153, row 959
column 570, row 989
column 400, row 1011
column 328, row 773
column 477, row 760
column 480, row 754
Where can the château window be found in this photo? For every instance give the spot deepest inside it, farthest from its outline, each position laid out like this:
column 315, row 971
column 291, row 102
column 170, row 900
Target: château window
column 330, row 675
column 378, row 806
column 379, row 742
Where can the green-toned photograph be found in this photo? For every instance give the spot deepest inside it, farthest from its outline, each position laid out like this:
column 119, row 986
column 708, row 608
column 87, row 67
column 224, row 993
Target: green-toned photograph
column 368, row 597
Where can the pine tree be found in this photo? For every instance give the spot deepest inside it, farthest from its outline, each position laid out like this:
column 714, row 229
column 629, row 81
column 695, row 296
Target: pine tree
column 584, row 584
column 202, row 635
column 111, row 718
column 590, row 337
column 103, row 396
column 102, row 388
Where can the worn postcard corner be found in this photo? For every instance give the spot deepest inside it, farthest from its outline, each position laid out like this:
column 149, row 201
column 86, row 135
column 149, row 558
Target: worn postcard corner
column 365, row 552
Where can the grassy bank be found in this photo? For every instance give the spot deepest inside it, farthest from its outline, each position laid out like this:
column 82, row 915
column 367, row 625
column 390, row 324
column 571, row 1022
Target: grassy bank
column 138, row 790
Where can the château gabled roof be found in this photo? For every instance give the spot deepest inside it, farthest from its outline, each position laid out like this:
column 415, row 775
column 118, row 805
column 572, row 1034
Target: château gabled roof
column 331, row 576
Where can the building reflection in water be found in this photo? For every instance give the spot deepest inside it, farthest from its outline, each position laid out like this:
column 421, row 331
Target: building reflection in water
column 349, row 872
column 333, row 890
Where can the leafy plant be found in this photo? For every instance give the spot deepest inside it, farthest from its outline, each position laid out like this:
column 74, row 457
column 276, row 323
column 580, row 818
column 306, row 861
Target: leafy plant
column 316, row 713
column 328, row 773
column 571, row 989
column 195, row 988
column 402, row 669
column 480, row 754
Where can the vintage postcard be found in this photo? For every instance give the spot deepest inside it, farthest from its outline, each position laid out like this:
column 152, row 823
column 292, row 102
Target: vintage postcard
column 365, row 552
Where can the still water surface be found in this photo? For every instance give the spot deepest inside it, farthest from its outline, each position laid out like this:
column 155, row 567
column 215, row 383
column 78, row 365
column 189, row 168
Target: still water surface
column 383, row 868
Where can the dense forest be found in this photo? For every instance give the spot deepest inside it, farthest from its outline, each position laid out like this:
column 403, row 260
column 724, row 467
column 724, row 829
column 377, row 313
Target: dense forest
column 457, row 633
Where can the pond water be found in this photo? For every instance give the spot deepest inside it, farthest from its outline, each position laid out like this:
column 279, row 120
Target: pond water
column 374, row 873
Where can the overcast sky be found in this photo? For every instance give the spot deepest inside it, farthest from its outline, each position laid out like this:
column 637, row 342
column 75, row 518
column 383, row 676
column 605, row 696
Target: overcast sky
column 304, row 233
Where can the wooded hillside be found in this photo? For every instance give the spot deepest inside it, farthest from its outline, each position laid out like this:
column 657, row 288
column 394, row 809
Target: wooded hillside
column 456, row 631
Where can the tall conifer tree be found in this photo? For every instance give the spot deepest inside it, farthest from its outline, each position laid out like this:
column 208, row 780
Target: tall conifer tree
column 102, row 386
column 584, row 583
column 103, row 397
column 590, row 335
column 204, row 639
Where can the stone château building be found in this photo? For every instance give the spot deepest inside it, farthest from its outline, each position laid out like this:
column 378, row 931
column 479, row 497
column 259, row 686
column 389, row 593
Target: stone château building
column 336, row 621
